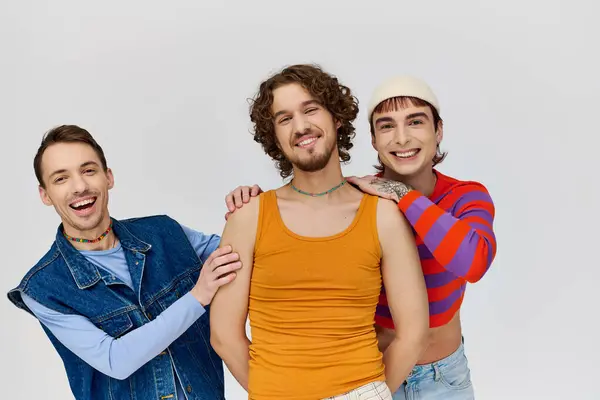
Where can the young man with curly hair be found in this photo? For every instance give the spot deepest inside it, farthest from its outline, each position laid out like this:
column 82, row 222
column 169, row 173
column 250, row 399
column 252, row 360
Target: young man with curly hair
column 453, row 224
column 314, row 254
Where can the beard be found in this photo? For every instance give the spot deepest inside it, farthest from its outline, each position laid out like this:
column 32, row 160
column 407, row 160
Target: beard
column 314, row 161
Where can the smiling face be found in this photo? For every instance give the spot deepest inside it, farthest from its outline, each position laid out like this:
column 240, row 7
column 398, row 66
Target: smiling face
column 306, row 132
column 76, row 184
column 406, row 137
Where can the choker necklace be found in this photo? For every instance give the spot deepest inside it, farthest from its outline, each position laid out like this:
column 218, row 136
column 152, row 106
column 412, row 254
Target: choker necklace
column 318, row 194
column 99, row 238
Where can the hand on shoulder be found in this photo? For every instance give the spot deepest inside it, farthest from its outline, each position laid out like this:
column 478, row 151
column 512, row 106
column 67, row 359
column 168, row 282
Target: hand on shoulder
column 240, row 196
column 384, row 188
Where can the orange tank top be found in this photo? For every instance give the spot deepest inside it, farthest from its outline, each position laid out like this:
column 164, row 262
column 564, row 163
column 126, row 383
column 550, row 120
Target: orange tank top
column 312, row 307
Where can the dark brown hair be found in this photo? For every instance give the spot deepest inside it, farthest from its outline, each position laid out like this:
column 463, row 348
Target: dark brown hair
column 326, row 89
column 65, row 134
column 396, row 103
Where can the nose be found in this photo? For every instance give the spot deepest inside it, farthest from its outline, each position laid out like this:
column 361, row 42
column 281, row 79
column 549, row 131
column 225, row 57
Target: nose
column 401, row 136
column 79, row 183
column 300, row 124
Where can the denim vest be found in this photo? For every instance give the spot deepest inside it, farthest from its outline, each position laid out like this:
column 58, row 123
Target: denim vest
column 163, row 266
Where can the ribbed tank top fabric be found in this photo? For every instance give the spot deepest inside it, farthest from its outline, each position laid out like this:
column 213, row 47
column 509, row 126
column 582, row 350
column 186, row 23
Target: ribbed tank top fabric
column 312, row 307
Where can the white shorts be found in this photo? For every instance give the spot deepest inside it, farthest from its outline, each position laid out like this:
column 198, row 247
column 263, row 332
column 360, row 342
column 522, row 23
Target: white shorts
column 370, row 391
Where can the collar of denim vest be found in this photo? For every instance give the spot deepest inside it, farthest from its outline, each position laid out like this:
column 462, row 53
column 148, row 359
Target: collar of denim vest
column 85, row 273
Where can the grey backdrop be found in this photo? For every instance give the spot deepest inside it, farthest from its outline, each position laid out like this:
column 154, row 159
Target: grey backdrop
column 163, row 87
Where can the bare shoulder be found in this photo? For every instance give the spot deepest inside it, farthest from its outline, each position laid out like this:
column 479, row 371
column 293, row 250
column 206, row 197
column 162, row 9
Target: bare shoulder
column 391, row 222
column 246, row 214
column 240, row 228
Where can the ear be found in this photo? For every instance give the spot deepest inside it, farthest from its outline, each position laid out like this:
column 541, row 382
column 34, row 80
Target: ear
column 111, row 178
column 439, row 132
column 44, row 196
column 338, row 125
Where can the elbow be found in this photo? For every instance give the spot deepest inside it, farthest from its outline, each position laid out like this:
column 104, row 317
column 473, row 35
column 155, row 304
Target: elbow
column 473, row 279
column 119, row 374
column 477, row 273
column 217, row 342
column 221, row 340
column 421, row 337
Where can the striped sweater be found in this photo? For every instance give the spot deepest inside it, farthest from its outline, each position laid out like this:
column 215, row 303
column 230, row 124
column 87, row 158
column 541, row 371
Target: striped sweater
column 456, row 243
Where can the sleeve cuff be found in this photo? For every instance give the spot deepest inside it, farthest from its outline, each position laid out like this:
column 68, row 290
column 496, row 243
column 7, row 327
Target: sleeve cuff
column 192, row 304
column 408, row 199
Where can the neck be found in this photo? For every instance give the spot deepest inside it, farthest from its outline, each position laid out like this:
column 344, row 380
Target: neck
column 106, row 243
column 423, row 181
column 318, row 181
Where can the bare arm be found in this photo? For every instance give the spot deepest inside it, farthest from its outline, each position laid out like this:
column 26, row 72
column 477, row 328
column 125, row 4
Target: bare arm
column 406, row 293
column 229, row 308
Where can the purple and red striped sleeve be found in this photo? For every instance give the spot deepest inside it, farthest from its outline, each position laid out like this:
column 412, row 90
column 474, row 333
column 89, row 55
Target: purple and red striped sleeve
column 462, row 240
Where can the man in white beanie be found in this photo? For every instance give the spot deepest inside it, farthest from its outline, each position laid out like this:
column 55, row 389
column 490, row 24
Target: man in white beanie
column 452, row 221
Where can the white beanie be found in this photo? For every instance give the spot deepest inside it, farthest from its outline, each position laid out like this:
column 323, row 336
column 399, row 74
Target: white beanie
column 402, row 86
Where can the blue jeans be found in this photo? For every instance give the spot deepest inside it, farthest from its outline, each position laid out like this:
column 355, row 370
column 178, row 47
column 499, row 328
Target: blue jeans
column 446, row 379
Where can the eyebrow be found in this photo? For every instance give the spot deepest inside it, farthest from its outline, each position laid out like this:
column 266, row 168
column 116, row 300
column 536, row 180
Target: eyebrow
column 417, row 114
column 384, row 119
column 409, row 116
column 304, row 104
column 85, row 164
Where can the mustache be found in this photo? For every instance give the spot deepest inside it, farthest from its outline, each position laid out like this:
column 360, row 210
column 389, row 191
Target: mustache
column 298, row 136
column 87, row 193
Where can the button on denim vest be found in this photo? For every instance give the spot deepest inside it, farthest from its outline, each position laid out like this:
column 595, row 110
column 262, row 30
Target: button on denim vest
column 164, row 267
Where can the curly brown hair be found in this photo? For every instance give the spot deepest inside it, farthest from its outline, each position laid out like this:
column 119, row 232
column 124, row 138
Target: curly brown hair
column 325, row 88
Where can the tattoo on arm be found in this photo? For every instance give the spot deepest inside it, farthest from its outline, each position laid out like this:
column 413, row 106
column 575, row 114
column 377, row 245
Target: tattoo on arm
column 397, row 189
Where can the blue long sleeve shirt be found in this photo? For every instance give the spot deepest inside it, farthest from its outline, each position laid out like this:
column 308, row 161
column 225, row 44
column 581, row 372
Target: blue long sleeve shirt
column 119, row 358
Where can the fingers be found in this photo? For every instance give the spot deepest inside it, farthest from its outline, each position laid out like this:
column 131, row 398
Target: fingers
column 229, row 202
column 250, row 191
column 354, row 179
column 237, row 197
column 227, row 268
column 223, row 260
column 245, row 194
column 255, row 191
column 227, row 216
column 359, row 179
column 221, row 251
column 225, row 280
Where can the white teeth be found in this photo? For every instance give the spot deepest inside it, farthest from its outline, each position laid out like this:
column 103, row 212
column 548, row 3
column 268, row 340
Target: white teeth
column 83, row 203
column 405, row 154
column 307, row 141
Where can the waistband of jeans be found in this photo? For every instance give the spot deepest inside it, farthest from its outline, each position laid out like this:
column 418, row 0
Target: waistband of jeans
column 448, row 360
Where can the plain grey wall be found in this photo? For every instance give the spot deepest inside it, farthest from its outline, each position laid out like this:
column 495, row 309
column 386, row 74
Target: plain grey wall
column 163, row 87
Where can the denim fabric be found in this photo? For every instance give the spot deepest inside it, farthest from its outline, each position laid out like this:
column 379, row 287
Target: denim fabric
column 164, row 267
column 446, row 379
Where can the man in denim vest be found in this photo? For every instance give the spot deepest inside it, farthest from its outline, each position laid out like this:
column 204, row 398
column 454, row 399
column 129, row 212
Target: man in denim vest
column 124, row 302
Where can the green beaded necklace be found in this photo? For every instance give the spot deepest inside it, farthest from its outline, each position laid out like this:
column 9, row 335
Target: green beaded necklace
column 318, row 194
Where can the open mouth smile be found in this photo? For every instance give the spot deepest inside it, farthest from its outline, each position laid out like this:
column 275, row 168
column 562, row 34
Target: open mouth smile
column 406, row 154
column 83, row 206
column 307, row 142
